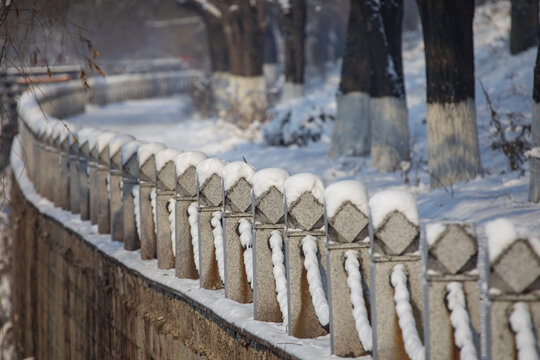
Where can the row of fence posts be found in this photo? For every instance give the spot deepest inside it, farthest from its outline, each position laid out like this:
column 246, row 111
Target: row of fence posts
column 320, row 260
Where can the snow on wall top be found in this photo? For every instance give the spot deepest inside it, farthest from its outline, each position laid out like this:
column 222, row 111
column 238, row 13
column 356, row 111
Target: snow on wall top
column 298, row 184
column 129, row 149
column 501, row 234
column 164, row 156
column 145, row 151
column 83, row 135
column 104, row 139
column 187, row 159
column 387, row 201
column 266, row 178
column 348, row 190
column 234, row 171
column 116, row 143
column 92, row 139
column 209, row 167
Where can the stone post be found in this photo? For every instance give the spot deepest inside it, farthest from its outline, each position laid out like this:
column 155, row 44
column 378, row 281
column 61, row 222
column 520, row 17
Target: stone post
column 209, row 195
column 304, row 216
column 47, row 165
column 64, row 141
column 84, row 155
column 147, row 185
column 450, row 255
column 236, row 206
column 55, row 162
column 115, row 186
column 186, row 194
column 268, row 216
column 347, row 220
column 36, row 151
column 513, row 280
column 74, row 187
column 130, row 183
column 104, row 224
column 93, row 177
column 395, row 241
column 165, row 193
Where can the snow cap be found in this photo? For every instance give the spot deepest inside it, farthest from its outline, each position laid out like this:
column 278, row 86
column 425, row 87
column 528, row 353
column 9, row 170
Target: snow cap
column 301, row 183
column 342, row 191
column 433, row 231
column 145, row 151
column 129, row 149
column 187, row 159
column 501, row 234
column 385, row 202
column 266, row 178
column 116, row 143
column 209, row 167
column 164, row 156
column 104, row 139
column 92, row 139
column 234, row 171
column 83, row 135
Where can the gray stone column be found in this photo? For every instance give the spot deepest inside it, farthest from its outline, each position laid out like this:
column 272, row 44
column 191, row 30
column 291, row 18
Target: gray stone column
column 185, row 194
column 304, row 216
column 347, row 220
column 84, row 184
column 450, row 254
column 236, row 205
column 209, row 194
column 74, row 187
column 36, row 151
column 513, row 277
column 63, row 189
column 47, row 164
column 147, row 183
column 395, row 241
column 55, row 162
column 104, row 224
column 93, row 180
column 130, row 180
column 165, row 192
column 268, row 216
column 115, row 186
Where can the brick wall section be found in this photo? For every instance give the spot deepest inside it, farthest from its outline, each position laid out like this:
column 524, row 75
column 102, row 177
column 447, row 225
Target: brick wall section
column 72, row 301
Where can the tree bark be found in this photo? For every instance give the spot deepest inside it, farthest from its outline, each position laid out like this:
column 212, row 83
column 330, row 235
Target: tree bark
column 294, row 23
column 453, row 153
column 534, row 183
column 524, row 25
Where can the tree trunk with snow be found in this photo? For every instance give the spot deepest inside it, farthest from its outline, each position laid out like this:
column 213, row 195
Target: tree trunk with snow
column 524, row 25
column 534, row 189
column 452, row 140
column 388, row 109
column 293, row 18
column 352, row 129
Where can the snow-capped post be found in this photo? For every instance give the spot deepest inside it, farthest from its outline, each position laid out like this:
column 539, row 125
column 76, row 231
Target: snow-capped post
column 451, row 292
column 146, row 157
column 165, row 193
column 347, row 234
column 186, row 195
column 93, row 177
column 115, row 185
column 74, row 186
column 130, row 185
column 236, row 177
column 64, row 141
column 59, row 135
column 209, row 195
column 47, row 166
column 54, row 171
column 512, row 262
column 394, row 255
column 305, row 249
column 102, row 148
column 39, row 151
column 84, row 154
column 270, row 283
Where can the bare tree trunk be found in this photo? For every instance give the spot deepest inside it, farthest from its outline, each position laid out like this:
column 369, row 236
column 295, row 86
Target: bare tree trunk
column 219, row 55
column 534, row 188
column 352, row 129
column 524, row 25
column 270, row 15
column 452, row 140
column 294, row 24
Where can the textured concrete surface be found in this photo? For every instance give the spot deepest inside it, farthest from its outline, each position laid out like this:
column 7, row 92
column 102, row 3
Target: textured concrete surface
column 130, row 175
column 209, row 275
column 148, row 232
column 84, row 192
column 165, row 253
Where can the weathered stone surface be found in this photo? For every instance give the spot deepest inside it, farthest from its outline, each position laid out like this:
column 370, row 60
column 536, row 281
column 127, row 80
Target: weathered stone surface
column 455, row 237
column 165, row 253
column 396, row 234
column 186, row 183
column 238, row 197
column 208, row 272
column 185, row 264
column 518, row 267
column 237, row 287
column 348, row 224
column 269, row 207
column 130, row 175
column 306, row 213
column 210, row 193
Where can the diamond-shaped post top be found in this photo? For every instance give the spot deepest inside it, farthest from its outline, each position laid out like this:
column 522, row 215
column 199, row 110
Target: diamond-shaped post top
column 46, row 135
column 92, row 146
column 209, row 181
column 514, row 259
column 165, row 169
column 146, row 157
column 304, row 200
column 115, row 147
column 452, row 248
column 185, row 168
column 237, row 179
column 102, row 147
column 267, row 186
column 61, row 135
column 130, row 165
column 83, row 136
column 57, row 127
column 395, row 222
column 347, row 212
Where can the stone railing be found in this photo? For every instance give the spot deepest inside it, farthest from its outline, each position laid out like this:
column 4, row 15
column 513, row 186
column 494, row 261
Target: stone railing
column 319, row 260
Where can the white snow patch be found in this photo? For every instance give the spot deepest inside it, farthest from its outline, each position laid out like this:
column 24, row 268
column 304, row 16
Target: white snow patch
column 413, row 345
column 318, row 297
column 266, row 178
column 187, row 159
column 291, row 91
column 136, row 208
column 234, row 171
column 145, row 151
column 522, row 326
column 218, row 243
column 433, row 231
column 153, row 202
column 193, row 220
column 116, row 143
column 209, row 167
column 164, row 156
column 385, row 202
column 171, row 206
column 84, row 134
column 129, row 149
column 244, row 228
column 104, row 139
column 92, row 140
column 347, row 190
column 299, row 184
column 461, row 321
column 278, row 262
column 500, row 233
column 360, row 314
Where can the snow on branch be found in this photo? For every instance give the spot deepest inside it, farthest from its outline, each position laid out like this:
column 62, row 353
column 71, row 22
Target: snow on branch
column 461, row 321
column 218, row 243
column 522, row 326
column 193, row 220
column 276, row 244
column 309, row 245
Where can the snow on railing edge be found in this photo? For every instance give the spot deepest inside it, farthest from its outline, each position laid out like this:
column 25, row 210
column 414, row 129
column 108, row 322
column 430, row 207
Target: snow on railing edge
column 522, row 326
column 193, row 219
column 244, row 227
column 136, row 208
column 171, row 207
column 320, row 304
column 461, row 321
column 276, row 244
column 218, row 243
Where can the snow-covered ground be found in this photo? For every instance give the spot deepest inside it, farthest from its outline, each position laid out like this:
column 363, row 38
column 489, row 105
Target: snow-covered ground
column 499, row 193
